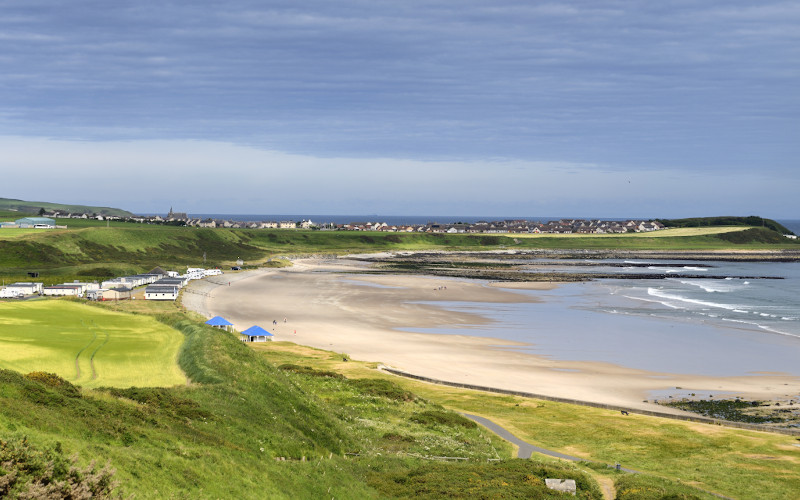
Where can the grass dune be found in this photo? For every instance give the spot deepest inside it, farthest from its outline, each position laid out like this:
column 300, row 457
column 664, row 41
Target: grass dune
column 89, row 346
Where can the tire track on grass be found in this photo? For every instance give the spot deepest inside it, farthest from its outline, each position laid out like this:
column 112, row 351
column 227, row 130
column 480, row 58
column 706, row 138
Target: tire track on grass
column 77, row 356
column 91, row 358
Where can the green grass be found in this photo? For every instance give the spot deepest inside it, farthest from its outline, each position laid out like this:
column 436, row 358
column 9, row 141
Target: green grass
column 221, row 436
column 751, row 221
column 89, row 346
column 363, row 434
column 670, row 454
column 141, row 247
column 26, row 208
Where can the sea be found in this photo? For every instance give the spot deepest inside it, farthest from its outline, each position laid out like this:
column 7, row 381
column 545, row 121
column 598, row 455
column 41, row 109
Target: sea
column 743, row 321
column 724, row 326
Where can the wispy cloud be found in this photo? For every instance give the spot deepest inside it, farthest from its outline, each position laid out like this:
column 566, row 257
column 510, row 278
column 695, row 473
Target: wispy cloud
column 656, row 86
column 203, row 176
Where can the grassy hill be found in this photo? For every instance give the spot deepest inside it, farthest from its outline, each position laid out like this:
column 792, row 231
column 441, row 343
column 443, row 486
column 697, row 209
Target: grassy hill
column 284, row 421
column 278, row 423
column 750, row 221
column 33, row 207
column 246, row 428
column 94, row 250
column 91, row 347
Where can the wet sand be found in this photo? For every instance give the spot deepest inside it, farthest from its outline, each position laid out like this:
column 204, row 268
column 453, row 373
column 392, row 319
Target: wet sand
column 329, row 307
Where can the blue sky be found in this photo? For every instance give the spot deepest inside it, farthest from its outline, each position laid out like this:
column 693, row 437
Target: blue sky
column 585, row 108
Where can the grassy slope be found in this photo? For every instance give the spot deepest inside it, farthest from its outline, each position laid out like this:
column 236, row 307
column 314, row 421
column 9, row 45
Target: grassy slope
column 751, row 221
column 93, row 250
column 32, row 207
column 219, row 437
column 664, row 233
column 732, row 462
column 124, row 350
column 192, row 440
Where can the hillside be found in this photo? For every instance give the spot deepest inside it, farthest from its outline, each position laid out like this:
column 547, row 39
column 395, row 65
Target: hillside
column 95, row 250
column 289, row 422
column 33, row 207
column 751, row 221
column 245, row 428
column 284, row 421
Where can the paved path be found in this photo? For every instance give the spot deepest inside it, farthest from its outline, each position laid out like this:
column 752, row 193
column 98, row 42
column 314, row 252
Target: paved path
column 526, row 449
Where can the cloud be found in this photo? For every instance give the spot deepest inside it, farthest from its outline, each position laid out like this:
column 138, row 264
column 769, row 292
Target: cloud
column 608, row 88
column 202, row 176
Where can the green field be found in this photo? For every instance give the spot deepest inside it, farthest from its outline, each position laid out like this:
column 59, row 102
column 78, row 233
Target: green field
column 345, row 429
column 663, row 233
column 94, row 250
column 24, row 208
column 732, row 462
column 181, row 410
column 88, row 346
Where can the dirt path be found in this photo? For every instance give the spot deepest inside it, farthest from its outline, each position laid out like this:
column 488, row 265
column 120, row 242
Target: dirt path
column 525, row 450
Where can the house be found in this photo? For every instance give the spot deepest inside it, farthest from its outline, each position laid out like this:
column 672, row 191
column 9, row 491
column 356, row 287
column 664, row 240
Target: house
column 36, row 222
column 25, row 288
column 178, row 282
column 161, row 292
column 84, row 287
column 255, row 334
column 119, row 293
column 198, row 273
column 63, row 291
column 6, row 293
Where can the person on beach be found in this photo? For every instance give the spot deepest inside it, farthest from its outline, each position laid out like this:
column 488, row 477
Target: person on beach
column 284, row 320
column 274, row 321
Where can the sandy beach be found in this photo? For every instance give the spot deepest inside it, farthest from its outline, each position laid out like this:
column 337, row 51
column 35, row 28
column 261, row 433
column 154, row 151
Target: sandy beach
column 324, row 303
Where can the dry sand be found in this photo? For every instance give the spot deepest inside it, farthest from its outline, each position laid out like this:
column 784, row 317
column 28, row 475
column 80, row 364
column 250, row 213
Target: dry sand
column 327, row 307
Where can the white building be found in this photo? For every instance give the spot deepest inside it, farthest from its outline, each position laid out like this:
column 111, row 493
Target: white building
column 6, row 293
column 161, row 292
column 25, row 288
column 63, row 291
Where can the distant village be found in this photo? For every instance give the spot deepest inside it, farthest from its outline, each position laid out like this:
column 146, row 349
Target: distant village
column 563, row 226
column 163, row 285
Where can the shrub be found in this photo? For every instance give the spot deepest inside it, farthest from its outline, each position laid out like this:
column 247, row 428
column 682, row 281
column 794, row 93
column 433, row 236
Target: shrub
column 441, row 417
column 29, row 473
column 383, row 388
column 307, row 370
column 53, row 380
column 164, row 399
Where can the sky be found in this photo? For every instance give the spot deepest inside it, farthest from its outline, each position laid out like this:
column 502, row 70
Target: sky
column 595, row 108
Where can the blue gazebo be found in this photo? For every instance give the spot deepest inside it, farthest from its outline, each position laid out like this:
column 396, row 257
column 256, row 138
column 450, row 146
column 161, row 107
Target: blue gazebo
column 220, row 322
column 255, row 334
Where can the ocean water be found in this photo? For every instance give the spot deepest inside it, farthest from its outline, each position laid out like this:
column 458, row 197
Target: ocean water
column 693, row 325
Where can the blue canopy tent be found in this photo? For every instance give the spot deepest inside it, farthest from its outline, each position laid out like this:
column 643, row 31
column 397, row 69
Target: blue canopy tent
column 220, row 322
column 255, row 334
